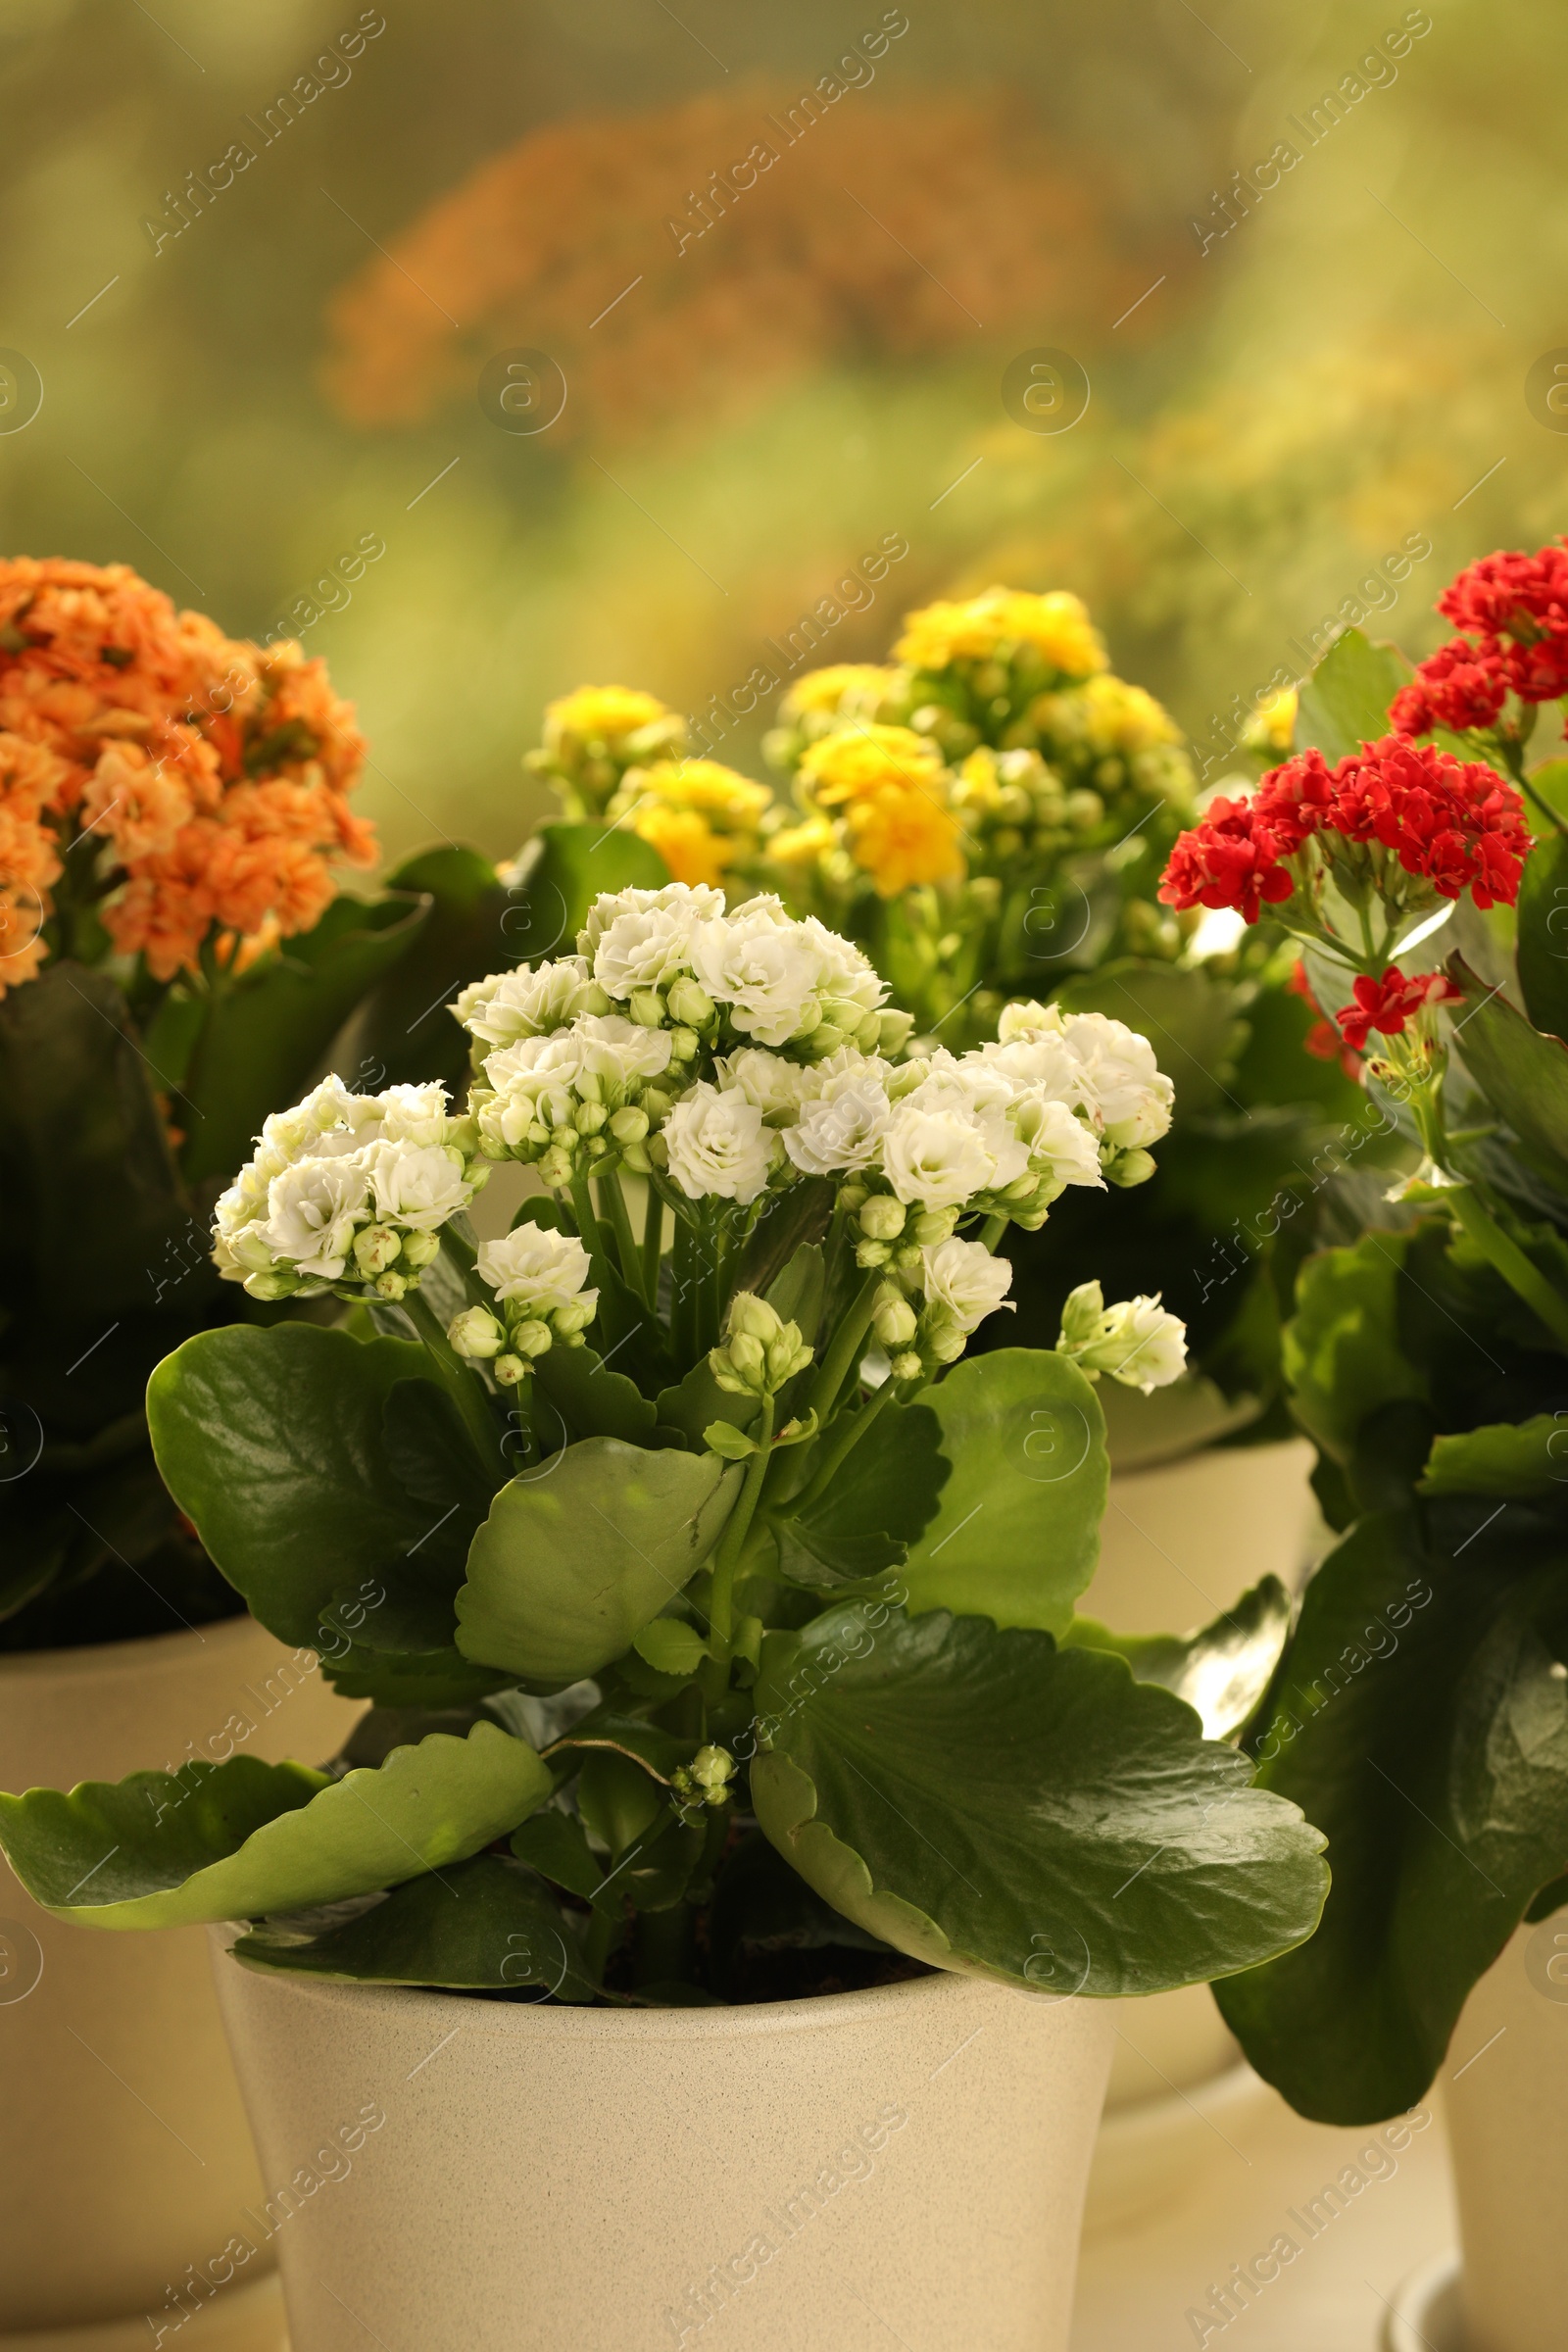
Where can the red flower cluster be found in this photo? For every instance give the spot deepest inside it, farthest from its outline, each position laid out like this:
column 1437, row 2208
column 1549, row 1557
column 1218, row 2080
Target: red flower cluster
column 1322, row 1041
column 1388, row 1003
column 1455, row 823
column 1514, row 608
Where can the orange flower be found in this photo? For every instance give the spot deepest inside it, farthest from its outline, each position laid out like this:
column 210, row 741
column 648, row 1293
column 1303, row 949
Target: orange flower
column 211, row 774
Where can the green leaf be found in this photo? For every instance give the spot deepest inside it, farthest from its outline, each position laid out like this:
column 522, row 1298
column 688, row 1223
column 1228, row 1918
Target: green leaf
column 987, row 1802
column 1223, row 1672
column 1342, row 1353
column 1522, row 1072
column 657, row 1751
column 671, row 1647
column 266, row 1035
column 1543, row 934
column 698, row 1401
column 559, row 874
column 1422, row 1722
column 1016, row 1533
column 620, row 1802
column 556, row 1844
column 801, row 1214
column 812, row 1550
column 1191, row 1018
column 596, row 1403
column 483, row 1926
column 403, row 1030
column 273, row 1442
column 576, row 1558
column 1524, row 1460
column 796, row 1294
column 1346, row 701
column 233, row 1841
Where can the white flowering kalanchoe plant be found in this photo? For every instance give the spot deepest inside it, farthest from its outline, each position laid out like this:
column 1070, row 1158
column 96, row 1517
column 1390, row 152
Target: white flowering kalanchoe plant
column 708, row 1598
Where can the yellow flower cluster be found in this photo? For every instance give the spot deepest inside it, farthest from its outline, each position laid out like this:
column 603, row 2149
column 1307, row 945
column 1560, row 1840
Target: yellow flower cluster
column 592, row 736
column 894, row 796
column 1000, row 623
column 1271, row 730
column 701, row 817
column 1105, row 715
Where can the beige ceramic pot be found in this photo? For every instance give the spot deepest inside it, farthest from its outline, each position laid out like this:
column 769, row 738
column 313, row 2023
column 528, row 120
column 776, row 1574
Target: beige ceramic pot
column 1180, row 1542
column 471, row 2174
column 125, row 2154
column 1505, row 2094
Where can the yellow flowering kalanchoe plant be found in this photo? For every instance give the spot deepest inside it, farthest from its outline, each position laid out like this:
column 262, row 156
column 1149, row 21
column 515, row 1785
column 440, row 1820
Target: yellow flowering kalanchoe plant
column 691, row 1566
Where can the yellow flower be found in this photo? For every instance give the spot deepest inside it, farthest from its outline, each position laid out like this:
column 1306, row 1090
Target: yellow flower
column 1055, row 626
column 979, row 788
column 1107, row 714
column 693, row 851
column 1272, row 726
column 803, row 845
column 901, row 835
column 715, row 792
column 600, row 715
column 863, row 759
column 822, row 692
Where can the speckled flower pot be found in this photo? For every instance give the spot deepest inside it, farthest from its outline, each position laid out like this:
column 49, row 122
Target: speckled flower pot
column 1506, row 2098
column 125, row 2154
column 812, row 2176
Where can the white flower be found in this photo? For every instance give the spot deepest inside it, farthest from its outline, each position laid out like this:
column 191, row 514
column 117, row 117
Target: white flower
column 1028, row 1019
column 412, row 1114
column 760, row 965
column 417, row 1187
column 537, row 1269
column 1136, row 1341
column 777, row 1087
column 529, row 1002
column 940, row 1158
column 846, row 974
column 717, row 1142
column 312, row 1208
column 1058, row 1143
column 517, row 1076
column 618, row 1050
column 641, row 938
column 968, row 1084
column 1042, row 1063
column 843, row 1127
column 1130, row 1092
column 964, row 1279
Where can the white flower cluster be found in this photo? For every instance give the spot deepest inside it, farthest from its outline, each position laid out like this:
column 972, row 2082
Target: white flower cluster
column 961, row 1284
column 1137, row 1342
column 537, row 1277
column 347, row 1193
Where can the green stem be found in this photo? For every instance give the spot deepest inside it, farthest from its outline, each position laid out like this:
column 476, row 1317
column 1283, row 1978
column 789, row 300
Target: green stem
column 612, row 1197
column 847, row 1431
column 992, row 1230
column 1517, row 1270
column 653, row 1237
column 848, row 1343
column 588, row 1233
column 461, row 1383
column 721, row 1604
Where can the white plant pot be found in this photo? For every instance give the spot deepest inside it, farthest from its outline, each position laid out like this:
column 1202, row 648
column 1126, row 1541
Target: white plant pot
column 1179, row 1542
column 1505, row 2094
column 468, row 2174
column 123, row 2148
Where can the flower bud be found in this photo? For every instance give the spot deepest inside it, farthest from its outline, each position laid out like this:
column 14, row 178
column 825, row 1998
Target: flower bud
column 1128, row 1169
column 421, row 1249
column 749, row 1358
column 575, row 1316
column 647, row 1009
column 656, row 1104
column 376, row 1248
column 628, row 1126
column 477, row 1333
column 853, row 1194
column 906, row 1254
column 753, row 1316
column 945, row 1343
column 635, row 1157
column 554, row 1167
column 509, row 1370
column 868, row 1036
column 589, row 1117
column 683, row 1044
column 907, row 1367
column 931, row 1227
column 712, row 1769
column 894, row 1323
column 690, row 1005
column 872, row 1253
column 530, row 1338
column 269, row 1285
column 893, row 1028
column 882, row 1219
column 390, row 1286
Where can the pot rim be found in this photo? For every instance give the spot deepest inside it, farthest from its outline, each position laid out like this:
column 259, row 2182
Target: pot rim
column 521, row 2020
column 97, row 1661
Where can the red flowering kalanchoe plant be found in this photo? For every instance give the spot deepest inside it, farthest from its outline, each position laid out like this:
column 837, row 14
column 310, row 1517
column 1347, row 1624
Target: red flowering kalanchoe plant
column 1513, row 611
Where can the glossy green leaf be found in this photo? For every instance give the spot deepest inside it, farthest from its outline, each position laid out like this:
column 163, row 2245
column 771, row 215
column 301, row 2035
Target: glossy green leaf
column 237, row 1840
column 559, row 874
column 1190, row 1016
column 1016, row 1531
column 1223, row 1671
column 671, row 1647
column 1522, row 1071
column 556, row 1844
column 1342, row 1353
column 266, row 1036
column 403, row 1030
column 273, row 1442
column 576, row 1557
column 596, row 1400
column 987, row 1802
column 620, row 1802
column 695, row 1403
column 812, row 1550
column 1527, row 1460
column 1422, row 1723
column 480, row 1927
column 796, row 1292
column 1543, row 934
column 1346, row 701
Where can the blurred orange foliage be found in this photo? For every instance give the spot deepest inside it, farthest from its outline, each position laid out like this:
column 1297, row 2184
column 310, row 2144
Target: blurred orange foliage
column 888, row 229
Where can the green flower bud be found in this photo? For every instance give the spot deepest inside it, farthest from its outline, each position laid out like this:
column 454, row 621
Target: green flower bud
column 390, row 1286
column 868, row 1036
column 590, row 1087
column 628, row 1126
column 683, row 1044
column 1128, row 1169
column 421, row 1249
column 895, row 1028
column 589, row 1117
column 749, row 1358
column 595, row 1146
column 906, row 1254
column 656, row 1104
column 690, row 1005
column 808, row 1022
column 712, row 1769
column 530, row 1338
column 575, row 1316
column 851, row 1195
column 882, row 1219
column 509, row 1370
column 931, row 1227
column 872, row 1253
column 1022, row 1188
column 635, row 1157
column 476, row 1331
column 907, row 1367
column 894, row 1323
column 753, row 1316
column 556, row 1165
column 945, row 1343
column 376, row 1248
column 646, row 1008
column 271, row 1285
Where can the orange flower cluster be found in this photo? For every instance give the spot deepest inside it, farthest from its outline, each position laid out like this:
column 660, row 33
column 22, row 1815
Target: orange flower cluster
column 196, row 784
column 891, row 226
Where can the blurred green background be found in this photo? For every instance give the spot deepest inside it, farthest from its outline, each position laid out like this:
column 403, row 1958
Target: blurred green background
column 294, row 375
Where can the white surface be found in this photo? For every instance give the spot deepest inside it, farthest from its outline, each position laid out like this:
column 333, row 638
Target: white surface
column 1135, row 2285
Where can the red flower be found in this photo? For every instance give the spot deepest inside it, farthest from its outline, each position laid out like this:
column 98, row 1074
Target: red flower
column 1232, row 858
column 1461, row 686
column 1511, row 594
column 1297, row 799
column 1322, row 1041
column 1388, row 1003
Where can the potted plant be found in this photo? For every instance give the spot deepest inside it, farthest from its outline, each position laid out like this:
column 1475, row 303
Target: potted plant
column 733, row 1734
column 175, row 962
column 1420, row 1712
